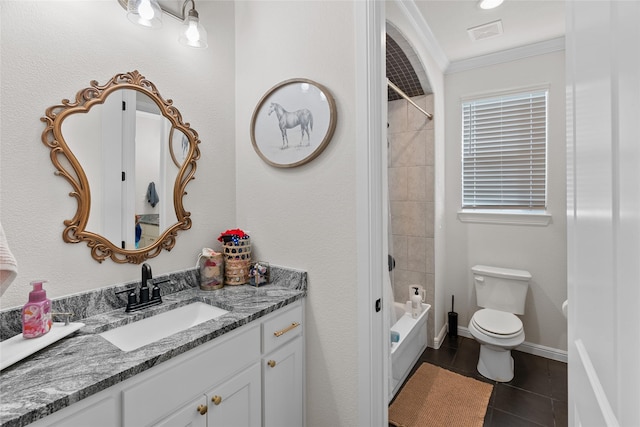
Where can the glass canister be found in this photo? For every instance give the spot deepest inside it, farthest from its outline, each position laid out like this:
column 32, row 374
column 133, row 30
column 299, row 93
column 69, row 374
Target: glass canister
column 211, row 267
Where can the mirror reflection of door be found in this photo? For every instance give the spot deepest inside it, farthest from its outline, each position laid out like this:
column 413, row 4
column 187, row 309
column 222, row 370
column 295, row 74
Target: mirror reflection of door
column 145, row 187
column 125, row 155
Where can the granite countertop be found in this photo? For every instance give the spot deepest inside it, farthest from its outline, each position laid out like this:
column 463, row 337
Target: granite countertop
column 84, row 363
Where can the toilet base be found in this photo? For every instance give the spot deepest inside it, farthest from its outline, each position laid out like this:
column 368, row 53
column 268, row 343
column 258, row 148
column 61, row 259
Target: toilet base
column 496, row 365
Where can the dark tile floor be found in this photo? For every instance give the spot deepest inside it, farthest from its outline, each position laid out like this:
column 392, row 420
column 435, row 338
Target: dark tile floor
column 537, row 395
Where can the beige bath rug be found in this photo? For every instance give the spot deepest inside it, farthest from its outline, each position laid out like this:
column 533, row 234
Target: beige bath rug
column 436, row 397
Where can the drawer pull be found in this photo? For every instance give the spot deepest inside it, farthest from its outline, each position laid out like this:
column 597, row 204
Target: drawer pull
column 216, row 399
column 202, row 409
column 287, row 329
column 271, row 363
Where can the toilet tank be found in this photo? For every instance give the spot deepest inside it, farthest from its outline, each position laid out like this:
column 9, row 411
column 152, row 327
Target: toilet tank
column 501, row 289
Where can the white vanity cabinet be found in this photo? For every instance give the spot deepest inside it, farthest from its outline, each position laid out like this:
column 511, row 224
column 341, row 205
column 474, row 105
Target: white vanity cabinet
column 157, row 395
column 282, row 369
column 100, row 410
column 233, row 403
column 187, row 416
column 283, row 386
column 251, row 377
column 237, row 402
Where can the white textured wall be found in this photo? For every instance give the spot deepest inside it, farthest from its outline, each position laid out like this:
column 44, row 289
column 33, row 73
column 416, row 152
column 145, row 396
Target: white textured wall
column 305, row 216
column 49, row 51
column 539, row 250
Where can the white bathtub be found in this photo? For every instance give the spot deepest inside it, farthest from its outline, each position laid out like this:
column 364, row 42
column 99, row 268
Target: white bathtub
column 413, row 341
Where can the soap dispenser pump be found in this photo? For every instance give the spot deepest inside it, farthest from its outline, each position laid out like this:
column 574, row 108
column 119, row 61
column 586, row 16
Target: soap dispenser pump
column 36, row 313
column 416, row 302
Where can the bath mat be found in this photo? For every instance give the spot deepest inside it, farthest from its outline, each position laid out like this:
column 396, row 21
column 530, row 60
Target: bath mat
column 436, row 397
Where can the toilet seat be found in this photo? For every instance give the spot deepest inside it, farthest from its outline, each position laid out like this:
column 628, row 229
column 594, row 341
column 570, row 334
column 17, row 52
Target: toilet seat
column 497, row 324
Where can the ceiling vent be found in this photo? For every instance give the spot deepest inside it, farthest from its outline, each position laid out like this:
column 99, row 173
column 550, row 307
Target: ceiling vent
column 485, row 31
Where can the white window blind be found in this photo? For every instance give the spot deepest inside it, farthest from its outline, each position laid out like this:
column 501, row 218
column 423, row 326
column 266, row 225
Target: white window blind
column 504, row 152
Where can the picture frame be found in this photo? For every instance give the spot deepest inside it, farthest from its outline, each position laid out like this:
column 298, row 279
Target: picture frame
column 178, row 147
column 293, row 123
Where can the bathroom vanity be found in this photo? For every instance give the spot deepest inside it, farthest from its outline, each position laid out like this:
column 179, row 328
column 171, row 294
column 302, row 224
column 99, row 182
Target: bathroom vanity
column 244, row 368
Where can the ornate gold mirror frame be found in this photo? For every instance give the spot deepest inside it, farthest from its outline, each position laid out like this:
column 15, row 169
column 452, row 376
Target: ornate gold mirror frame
column 69, row 167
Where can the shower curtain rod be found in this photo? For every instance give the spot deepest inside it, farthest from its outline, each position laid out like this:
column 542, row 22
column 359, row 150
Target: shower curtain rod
column 404, row 95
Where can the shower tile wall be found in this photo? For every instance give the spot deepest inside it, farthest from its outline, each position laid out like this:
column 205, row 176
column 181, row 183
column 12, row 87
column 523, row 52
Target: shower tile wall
column 411, row 188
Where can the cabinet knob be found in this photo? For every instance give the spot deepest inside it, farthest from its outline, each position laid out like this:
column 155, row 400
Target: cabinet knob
column 203, row 409
column 271, row 363
column 216, row 400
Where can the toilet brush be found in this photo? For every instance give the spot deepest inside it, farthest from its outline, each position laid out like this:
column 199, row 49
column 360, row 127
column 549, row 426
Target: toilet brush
column 453, row 321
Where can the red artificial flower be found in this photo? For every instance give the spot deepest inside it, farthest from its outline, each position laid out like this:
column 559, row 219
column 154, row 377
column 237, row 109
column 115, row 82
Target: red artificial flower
column 234, row 232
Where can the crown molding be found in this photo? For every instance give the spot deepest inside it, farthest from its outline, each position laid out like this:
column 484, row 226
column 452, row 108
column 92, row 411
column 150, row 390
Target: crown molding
column 414, row 16
column 534, row 49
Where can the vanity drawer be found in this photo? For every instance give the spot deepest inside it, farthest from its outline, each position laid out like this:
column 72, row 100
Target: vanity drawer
column 282, row 327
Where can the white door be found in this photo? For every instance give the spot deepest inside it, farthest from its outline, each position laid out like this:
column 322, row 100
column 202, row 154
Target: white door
column 109, row 207
column 603, row 171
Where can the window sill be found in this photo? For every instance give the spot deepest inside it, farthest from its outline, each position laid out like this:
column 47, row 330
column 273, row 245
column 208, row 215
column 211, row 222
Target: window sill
column 484, row 216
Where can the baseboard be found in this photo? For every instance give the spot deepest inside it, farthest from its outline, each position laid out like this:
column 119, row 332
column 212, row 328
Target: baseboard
column 527, row 347
column 438, row 339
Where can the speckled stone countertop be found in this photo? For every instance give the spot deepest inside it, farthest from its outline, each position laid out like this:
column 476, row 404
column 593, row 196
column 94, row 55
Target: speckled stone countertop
column 84, row 363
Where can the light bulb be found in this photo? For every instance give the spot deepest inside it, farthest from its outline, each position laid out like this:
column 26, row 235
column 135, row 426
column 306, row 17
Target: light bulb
column 146, row 13
column 193, row 34
column 489, row 4
column 145, row 10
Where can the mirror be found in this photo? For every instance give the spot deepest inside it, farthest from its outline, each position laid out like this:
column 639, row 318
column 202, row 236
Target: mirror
column 128, row 156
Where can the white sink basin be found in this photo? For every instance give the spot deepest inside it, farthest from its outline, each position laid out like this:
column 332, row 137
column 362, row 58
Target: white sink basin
column 135, row 335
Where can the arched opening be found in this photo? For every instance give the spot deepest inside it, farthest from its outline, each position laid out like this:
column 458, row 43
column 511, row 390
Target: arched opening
column 411, row 199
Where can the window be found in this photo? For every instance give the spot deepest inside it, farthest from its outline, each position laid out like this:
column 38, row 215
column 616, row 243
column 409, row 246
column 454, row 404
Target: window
column 504, row 152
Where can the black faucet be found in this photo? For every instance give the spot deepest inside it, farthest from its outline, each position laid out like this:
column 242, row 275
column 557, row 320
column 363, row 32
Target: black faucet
column 144, row 286
column 146, row 297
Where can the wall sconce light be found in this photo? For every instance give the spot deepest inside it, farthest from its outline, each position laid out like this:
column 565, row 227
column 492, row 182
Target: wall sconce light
column 148, row 14
column 193, row 33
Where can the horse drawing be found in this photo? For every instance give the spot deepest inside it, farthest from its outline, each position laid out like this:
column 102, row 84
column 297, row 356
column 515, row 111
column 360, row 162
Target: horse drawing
column 289, row 120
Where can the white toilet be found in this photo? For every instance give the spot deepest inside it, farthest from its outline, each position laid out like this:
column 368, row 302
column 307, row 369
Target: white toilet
column 502, row 293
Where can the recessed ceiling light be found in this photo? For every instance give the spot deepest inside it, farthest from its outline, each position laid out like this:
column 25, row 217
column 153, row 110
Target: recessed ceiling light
column 489, row 4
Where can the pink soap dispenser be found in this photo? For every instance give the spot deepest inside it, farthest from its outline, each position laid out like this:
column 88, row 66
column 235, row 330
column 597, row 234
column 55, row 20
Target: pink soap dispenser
column 36, row 313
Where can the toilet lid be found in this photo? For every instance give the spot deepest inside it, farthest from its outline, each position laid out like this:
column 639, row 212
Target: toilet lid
column 496, row 322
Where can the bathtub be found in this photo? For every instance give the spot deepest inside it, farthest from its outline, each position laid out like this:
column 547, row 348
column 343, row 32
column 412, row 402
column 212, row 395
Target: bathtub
column 413, row 341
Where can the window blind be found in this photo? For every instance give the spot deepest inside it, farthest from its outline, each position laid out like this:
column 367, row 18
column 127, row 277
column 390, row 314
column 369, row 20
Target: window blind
column 504, row 151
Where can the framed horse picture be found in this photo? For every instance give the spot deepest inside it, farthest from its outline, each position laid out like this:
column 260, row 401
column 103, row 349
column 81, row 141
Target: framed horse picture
column 293, row 123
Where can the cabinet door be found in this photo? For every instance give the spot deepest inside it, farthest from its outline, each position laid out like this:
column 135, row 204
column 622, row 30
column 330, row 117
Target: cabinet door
column 236, row 402
column 283, row 391
column 163, row 389
column 193, row 414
